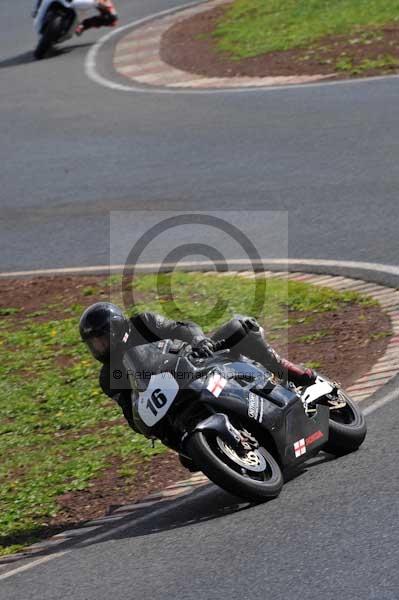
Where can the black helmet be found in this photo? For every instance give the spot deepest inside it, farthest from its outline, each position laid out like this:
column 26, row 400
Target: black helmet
column 104, row 328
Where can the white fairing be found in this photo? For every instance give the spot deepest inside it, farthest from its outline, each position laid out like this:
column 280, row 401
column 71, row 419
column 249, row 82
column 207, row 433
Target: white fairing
column 79, row 6
column 154, row 403
column 316, row 391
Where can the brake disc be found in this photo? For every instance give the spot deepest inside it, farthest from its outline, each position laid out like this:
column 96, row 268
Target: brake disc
column 252, row 460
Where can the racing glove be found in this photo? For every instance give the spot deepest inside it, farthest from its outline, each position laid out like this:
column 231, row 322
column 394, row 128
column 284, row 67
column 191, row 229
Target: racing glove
column 202, row 348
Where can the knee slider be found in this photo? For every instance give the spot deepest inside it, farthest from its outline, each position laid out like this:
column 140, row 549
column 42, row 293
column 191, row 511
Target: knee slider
column 110, row 19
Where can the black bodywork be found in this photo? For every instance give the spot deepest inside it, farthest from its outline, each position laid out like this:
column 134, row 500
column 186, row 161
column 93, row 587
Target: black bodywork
column 272, row 410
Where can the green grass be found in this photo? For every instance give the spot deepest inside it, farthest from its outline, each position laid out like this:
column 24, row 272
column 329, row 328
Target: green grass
column 210, row 300
column 254, row 27
column 383, row 63
column 57, row 430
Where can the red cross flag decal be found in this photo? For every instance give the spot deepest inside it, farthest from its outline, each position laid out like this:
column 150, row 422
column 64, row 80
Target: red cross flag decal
column 216, row 384
column 300, row 448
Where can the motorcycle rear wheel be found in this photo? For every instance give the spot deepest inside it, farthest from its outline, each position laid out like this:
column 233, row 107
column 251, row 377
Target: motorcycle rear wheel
column 48, row 37
column 347, row 428
column 206, row 451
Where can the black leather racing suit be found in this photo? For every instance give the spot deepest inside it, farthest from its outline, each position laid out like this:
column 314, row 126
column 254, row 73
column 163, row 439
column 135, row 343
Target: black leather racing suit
column 107, row 17
column 243, row 335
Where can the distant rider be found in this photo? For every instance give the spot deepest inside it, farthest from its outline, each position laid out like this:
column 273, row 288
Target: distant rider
column 106, row 17
column 108, row 333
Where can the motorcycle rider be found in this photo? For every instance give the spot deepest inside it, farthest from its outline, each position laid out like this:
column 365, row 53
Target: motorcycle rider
column 108, row 333
column 107, row 16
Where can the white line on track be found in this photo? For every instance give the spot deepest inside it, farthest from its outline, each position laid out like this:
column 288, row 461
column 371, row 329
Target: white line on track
column 35, row 563
column 282, row 262
column 154, row 514
column 112, row 531
column 93, row 74
column 381, row 403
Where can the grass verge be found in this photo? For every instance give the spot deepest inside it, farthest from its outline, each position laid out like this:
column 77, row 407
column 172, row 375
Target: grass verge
column 253, row 27
column 57, row 431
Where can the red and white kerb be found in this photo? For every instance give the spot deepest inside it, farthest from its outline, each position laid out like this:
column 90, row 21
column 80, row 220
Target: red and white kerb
column 300, row 448
column 216, row 384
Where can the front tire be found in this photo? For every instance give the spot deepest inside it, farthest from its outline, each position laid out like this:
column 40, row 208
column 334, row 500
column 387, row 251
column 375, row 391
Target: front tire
column 347, row 428
column 206, row 451
column 48, row 37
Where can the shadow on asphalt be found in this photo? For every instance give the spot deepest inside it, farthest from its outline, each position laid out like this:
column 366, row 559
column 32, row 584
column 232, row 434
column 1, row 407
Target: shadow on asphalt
column 295, row 472
column 320, row 459
column 76, row 46
column 217, row 504
column 27, row 57
column 21, row 59
column 197, row 508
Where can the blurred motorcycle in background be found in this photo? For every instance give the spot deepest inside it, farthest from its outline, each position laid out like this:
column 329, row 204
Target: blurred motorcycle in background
column 56, row 21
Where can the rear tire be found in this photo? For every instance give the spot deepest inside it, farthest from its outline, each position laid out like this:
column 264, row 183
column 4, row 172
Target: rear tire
column 347, row 428
column 48, row 37
column 216, row 465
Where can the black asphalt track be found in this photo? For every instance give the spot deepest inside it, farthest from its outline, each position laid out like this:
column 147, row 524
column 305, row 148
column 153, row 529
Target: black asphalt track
column 73, row 151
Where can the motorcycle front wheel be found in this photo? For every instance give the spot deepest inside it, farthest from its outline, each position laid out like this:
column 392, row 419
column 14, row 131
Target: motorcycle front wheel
column 347, row 427
column 48, row 37
column 254, row 475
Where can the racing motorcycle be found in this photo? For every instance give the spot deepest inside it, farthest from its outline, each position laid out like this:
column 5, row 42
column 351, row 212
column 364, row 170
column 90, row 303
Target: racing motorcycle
column 232, row 420
column 55, row 22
